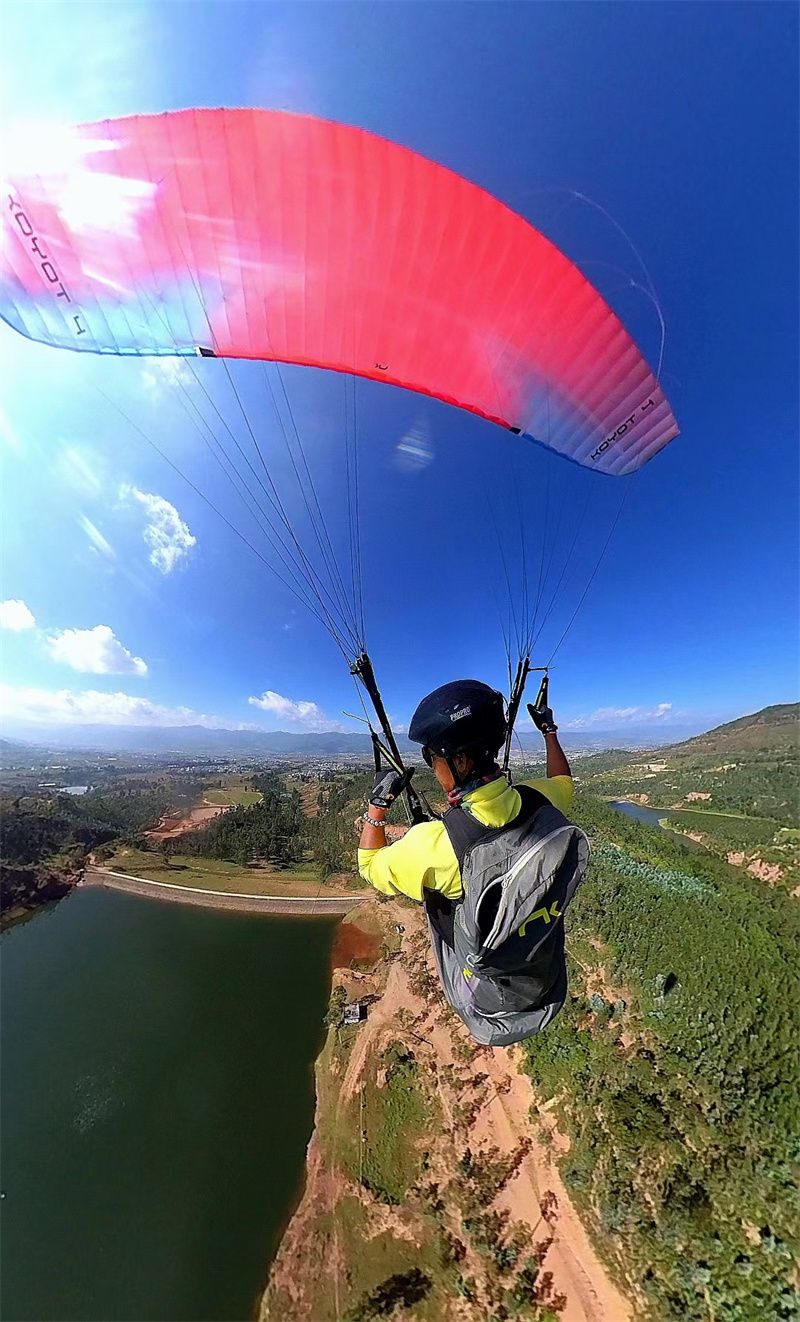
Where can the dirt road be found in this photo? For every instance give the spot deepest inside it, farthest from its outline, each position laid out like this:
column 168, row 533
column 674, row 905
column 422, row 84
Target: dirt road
column 175, row 824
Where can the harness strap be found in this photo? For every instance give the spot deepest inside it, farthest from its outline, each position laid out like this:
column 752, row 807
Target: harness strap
column 464, row 830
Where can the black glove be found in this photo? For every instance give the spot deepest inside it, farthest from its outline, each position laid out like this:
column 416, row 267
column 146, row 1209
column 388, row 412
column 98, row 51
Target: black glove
column 542, row 718
column 388, row 784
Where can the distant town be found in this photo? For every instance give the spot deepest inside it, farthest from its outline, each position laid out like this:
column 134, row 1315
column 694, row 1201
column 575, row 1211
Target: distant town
column 27, row 765
column 77, row 773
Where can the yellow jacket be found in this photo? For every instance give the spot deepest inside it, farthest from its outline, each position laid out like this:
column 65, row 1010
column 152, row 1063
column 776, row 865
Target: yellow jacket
column 424, row 857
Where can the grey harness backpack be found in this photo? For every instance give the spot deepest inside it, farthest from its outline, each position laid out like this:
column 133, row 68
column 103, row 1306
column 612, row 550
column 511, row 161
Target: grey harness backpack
column 500, row 949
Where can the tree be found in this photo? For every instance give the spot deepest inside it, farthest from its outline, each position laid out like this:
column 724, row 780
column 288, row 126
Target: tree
column 402, row 1290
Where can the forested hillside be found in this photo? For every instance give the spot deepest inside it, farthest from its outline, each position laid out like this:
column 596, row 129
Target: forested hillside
column 44, row 838
column 749, row 766
column 270, row 830
column 735, row 790
column 769, row 730
column 674, row 1071
column 330, row 830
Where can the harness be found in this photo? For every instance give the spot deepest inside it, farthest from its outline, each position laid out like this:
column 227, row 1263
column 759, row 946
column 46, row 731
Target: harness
column 499, row 948
column 464, row 832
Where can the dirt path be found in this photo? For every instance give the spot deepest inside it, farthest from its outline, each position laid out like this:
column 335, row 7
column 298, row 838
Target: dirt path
column 577, row 1271
column 172, row 824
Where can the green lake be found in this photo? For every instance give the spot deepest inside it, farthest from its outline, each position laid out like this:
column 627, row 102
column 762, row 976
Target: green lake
column 157, row 1100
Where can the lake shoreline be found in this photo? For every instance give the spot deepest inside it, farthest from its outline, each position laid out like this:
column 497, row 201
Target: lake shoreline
column 299, row 905
column 156, row 1077
column 28, row 889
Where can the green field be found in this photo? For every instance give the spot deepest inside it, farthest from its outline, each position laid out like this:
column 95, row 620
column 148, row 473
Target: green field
column 759, row 842
column 733, row 829
column 214, row 874
column 232, row 795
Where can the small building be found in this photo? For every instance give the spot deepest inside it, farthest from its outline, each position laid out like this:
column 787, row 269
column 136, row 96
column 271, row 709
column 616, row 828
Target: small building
column 355, row 1013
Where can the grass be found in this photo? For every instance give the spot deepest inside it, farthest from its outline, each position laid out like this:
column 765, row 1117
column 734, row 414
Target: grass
column 363, row 1261
column 372, row 923
column 216, row 875
column 396, row 1116
column 729, row 816
column 728, row 828
column 233, row 795
column 378, row 1136
column 375, row 1260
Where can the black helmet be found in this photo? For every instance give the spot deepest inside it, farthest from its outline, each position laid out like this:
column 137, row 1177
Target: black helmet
column 459, row 716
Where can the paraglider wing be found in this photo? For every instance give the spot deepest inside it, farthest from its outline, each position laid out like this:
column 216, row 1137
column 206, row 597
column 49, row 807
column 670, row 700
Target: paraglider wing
column 262, row 234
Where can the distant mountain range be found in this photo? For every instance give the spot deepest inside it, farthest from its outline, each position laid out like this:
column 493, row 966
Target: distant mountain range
column 197, row 741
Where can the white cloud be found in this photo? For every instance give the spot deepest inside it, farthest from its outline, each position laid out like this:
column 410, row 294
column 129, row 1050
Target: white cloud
column 305, row 714
column 16, row 616
column 64, row 707
column 96, row 538
column 166, row 534
column 165, row 372
column 94, row 652
column 604, row 718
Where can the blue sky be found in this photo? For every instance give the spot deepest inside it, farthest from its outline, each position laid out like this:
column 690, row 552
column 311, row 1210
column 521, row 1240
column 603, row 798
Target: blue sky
column 680, row 121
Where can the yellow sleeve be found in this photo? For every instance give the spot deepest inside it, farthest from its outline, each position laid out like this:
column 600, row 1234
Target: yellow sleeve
column 558, row 789
column 422, row 858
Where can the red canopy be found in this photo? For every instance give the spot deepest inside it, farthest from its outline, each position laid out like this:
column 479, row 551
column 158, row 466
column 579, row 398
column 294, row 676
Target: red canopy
column 261, row 234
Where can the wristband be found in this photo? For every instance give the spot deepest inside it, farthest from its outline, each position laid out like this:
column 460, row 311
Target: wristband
column 365, row 817
column 549, row 729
